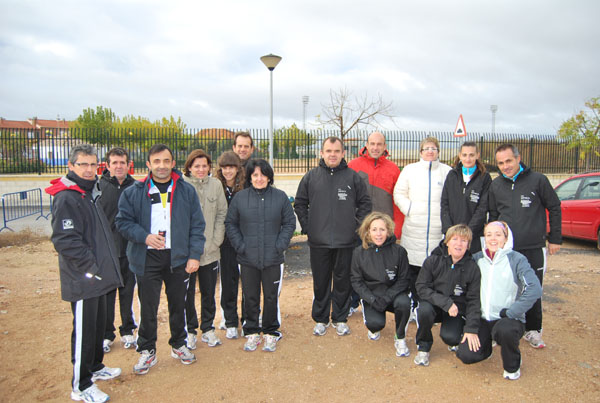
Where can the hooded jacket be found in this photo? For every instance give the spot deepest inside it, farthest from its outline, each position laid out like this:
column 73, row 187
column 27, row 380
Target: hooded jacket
column 187, row 222
column 260, row 224
column 81, row 235
column 507, row 281
column 111, row 191
column 214, row 209
column 330, row 204
column 379, row 271
column 380, row 176
column 418, row 194
column 466, row 203
column 522, row 204
column 442, row 283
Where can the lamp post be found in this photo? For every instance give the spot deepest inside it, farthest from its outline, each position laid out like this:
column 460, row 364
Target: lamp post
column 304, row 102
column 494, row 109
column 271, row 61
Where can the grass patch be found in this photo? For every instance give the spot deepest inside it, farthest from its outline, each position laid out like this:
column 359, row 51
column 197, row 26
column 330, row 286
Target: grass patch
column 23, row 237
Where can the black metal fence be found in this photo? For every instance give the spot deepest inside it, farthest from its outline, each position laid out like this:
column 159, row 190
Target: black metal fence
column 295, row 151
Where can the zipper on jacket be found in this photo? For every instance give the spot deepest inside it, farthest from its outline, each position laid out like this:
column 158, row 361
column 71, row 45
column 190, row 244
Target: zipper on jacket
column 428, row 212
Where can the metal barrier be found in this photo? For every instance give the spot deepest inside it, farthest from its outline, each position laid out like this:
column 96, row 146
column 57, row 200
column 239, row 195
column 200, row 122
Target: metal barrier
column 22, row 204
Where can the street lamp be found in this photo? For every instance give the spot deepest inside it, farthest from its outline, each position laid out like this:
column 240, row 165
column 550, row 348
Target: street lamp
column 494, row 109
column 304, row 102
column 271, row 61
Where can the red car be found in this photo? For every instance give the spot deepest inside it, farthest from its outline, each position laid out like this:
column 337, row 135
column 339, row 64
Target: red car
column 580, row 206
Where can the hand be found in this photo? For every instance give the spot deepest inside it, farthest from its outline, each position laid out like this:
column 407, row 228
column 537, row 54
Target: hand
column 379, row 304
column 553, row 248
column 192, row 265
column 453, row 311
column 473, row 341
column 155, row 241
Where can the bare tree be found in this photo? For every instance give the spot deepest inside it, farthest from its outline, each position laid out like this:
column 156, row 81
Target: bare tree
column 347, row 112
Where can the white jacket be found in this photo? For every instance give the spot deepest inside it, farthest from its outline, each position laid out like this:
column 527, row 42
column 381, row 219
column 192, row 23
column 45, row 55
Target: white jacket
column 418, row 194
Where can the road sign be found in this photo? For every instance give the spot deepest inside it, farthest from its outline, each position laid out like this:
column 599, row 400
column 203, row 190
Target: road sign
column 460, row 130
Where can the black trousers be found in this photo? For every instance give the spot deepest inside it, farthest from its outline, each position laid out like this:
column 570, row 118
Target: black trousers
column 506, row 332
column 413, row 272
column 375, row 320
column 230, row 283
column 450, row 331
column 207, row 282
column 89, row 321
column 128, row 324
column 331, row 266
column 158, row 270
column 537, row 260
column 270, row 279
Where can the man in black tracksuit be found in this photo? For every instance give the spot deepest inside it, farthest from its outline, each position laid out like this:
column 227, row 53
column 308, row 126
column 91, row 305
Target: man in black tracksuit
column 89, row 268
column 520, row 197
column 331, row 202
column 113, row 182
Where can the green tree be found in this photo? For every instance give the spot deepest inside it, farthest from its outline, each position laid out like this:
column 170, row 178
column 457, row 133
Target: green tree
column 582, row 130
column 97, row 124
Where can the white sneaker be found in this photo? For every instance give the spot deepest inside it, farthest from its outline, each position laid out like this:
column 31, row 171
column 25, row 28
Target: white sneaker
column 373, row 336
column 105, row 374
column 128, row 341
column 535, row 339
column 183, row 354
column 191, row 341
column 270, row 343
column 222, row 325
column 320, row 329
column 413, row 316
column 401, row 348
column 91, row 394
column 512, row 376
column 232, row 333
column 341, row 328
column 422, row 358
column 252, row 342
column 352, row 310
column 210, row 338
column 453, row 349
column 106, row 345
column 147, row 360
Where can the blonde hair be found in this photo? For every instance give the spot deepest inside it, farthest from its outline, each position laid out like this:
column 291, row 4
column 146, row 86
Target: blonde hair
column 363, row 230
column 429, row 140
column 461, row 230
column 502, row 224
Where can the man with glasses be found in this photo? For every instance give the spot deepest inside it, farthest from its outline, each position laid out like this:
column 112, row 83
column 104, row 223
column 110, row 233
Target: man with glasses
column 89, row 268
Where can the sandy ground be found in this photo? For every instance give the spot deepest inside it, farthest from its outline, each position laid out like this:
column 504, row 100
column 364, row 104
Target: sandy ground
column 35, row 326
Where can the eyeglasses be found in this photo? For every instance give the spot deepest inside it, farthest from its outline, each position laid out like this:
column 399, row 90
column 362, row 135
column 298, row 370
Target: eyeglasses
column 86, row 165
column 429, row 149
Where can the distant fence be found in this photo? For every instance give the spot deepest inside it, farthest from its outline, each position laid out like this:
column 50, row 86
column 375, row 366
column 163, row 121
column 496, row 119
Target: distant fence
column 20, row 205
column 294, row 150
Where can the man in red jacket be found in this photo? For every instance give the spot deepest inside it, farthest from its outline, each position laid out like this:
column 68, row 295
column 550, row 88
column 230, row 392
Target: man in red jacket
column 381, row 175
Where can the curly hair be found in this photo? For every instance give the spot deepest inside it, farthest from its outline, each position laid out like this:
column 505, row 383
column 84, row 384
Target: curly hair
column 363, row 230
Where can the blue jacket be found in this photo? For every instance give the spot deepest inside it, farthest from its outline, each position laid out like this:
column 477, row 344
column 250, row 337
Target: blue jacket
column 187, row 222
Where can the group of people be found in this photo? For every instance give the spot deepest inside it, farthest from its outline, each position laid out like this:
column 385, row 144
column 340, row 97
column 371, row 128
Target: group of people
column 405, row 241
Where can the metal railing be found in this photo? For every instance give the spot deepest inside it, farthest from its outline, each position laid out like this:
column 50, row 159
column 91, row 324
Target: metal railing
column 295, row 151
column 20, row 205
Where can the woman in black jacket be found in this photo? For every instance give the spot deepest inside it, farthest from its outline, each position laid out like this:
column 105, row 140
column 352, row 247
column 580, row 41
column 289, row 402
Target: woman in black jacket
column 379, row 274
column 260, row 224
column 465, row 193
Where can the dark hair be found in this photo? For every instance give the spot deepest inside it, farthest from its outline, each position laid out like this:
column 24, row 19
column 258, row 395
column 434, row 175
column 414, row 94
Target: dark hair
column 117, row 152
column 82, row 149
column 159, row 148
column 479, row 163
column 243, row 134
column 198, row 153
column 231, row 159
column 332, row 139
column 507, row 146
column 265, row 168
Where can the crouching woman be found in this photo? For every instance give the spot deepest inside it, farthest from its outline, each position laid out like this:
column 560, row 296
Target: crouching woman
column 379, row 274
column 509, row 287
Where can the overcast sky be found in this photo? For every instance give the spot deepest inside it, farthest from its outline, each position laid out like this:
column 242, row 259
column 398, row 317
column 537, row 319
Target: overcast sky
column 537, row 60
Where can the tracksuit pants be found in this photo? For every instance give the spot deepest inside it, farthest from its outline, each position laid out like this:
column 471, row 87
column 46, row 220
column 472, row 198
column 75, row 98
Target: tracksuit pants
column 158, row 270
column 331, row 265
column 506, row 332
column 270, row 279
column 450, row 331
column 89, row 317
column 128, row 324
column 537, row 260
column 413, row 273
column 375, row 320
column 207, row 282
column 230, row 282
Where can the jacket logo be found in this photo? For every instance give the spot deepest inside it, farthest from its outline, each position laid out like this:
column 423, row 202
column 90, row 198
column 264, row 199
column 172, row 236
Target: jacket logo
column 342, row 194
column 525, row 201
column 458, row 290
column 474, row 197
column 68, row 224
column 391, row 273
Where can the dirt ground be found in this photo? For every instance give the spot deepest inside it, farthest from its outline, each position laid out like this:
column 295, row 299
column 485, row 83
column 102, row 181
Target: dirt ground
column 35, row 326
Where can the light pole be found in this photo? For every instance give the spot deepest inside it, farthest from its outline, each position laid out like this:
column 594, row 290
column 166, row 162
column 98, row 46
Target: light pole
column 304, row 102
column 494, row 109
column 271, row 61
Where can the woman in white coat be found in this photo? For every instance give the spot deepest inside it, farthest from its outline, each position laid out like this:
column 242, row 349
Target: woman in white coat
column 418, row 194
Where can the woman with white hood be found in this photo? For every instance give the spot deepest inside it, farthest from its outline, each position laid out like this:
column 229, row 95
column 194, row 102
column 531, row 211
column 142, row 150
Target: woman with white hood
column 509, row 287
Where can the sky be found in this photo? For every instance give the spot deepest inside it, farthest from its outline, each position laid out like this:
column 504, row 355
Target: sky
column 538, row 61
